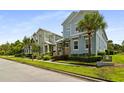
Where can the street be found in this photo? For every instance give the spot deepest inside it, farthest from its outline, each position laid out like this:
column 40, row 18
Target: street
column 11, row 71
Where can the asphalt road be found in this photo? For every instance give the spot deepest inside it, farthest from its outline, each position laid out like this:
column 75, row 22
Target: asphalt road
column 16, row 72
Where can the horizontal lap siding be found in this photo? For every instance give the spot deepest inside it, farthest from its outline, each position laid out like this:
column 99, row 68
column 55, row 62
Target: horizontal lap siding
column 101, row 43
column 81, row 46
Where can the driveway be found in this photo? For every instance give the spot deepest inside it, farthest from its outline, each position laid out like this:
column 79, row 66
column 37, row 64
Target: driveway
column 11, row 71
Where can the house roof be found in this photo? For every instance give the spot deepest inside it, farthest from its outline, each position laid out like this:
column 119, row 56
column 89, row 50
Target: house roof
column 70, row 17
column 60, row 40
column 41, row 29
column 75, row 13
column 47, row 42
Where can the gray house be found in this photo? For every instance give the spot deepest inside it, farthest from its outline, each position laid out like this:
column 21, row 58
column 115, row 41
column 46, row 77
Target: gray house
column 46, row 40
column 76, row 42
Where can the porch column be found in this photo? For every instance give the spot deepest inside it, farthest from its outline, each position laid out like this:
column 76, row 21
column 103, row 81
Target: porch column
column 48, row 48
column 57, row 49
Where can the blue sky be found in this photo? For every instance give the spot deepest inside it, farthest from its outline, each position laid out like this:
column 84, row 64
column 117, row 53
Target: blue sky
column 17, row 24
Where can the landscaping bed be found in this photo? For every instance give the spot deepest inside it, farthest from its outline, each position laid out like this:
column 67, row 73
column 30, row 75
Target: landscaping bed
column 105, row 73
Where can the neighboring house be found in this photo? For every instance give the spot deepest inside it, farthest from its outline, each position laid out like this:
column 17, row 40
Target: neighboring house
column 46, row 40
column 76, row 42
column 27, row 50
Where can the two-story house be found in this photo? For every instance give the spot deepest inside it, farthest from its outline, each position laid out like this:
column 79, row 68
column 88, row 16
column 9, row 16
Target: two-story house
column 46, row 40
column 76, row 42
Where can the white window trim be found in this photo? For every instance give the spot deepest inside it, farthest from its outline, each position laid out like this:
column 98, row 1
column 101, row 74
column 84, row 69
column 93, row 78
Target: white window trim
column 78, row 44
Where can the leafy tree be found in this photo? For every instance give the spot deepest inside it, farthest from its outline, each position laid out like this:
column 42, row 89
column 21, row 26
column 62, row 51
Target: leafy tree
column 91, row 23
column 18, row 47
column 110, row 45
column 117, row 47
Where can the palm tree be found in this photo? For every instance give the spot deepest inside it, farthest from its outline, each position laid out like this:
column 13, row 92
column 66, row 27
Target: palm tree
column 91, row 23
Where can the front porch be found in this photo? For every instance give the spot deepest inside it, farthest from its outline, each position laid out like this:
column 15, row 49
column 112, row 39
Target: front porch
column 48, row 47
column 63, row 47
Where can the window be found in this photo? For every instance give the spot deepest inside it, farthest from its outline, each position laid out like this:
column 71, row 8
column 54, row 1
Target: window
column 68, row 28
column 76, row 27
column 87, row 45
column 77, row 30
column 75, row 44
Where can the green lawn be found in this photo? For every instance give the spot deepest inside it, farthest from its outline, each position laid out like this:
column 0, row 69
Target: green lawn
column 119, row 58
column 108, row 73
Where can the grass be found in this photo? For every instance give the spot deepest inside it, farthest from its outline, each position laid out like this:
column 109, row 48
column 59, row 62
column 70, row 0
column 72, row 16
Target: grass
column 119, row 58
column 108, row 73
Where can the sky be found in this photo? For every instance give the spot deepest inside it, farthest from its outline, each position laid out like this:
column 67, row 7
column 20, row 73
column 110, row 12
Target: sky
column 15, row 24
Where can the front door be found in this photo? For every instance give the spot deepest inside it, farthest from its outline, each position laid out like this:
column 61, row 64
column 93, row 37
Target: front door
column 67, row 48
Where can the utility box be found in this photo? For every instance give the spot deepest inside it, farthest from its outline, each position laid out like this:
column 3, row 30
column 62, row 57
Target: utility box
column 107, row 58
column 107, row 61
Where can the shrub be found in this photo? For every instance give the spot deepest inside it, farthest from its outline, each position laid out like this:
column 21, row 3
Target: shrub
column 28, row 55
column 110, row 52
column 19, row 55
column 85, row 54
column 39, row 57
column 63, row 57
column 74, row 55
column 2, row 53
column 102, row 53
column 86, row 59
column 79, row 58
column 47, row 57
column 49, row 53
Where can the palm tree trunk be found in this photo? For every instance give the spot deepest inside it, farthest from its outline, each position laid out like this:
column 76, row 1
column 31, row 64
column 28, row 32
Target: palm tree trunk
column 89, row 44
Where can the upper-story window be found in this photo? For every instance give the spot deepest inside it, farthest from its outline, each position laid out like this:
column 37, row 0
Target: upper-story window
column 68, row 28
column 76, row 28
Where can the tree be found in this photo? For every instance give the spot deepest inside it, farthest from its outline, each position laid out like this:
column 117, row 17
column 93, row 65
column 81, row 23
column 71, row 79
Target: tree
column 18, row 47
column 110, row 45
column 91, row 23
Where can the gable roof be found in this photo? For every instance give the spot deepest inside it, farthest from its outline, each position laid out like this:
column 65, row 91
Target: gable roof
column 40, row 29
column 70, row 17
column 75, row 13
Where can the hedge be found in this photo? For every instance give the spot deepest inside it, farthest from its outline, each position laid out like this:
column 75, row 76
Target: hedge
column 79, row 58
